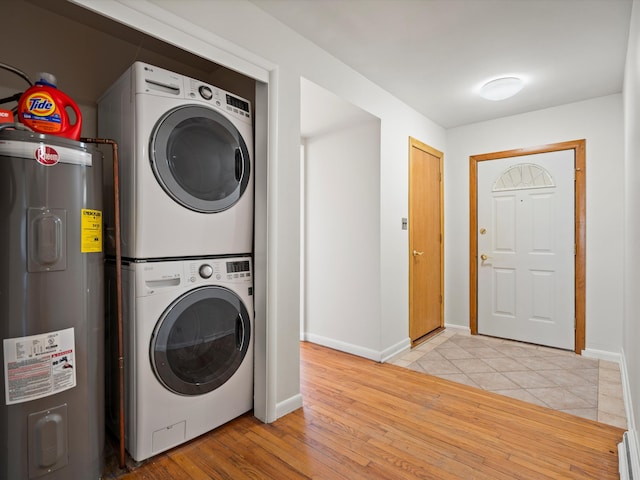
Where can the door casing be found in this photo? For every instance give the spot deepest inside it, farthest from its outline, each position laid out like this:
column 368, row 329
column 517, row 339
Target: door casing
column 579, row 147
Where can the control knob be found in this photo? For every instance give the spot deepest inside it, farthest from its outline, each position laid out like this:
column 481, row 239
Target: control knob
column 205, row 271
column 205, row 92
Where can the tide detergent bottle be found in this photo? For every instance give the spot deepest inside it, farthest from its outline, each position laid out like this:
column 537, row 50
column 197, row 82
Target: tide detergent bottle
column 43, row 108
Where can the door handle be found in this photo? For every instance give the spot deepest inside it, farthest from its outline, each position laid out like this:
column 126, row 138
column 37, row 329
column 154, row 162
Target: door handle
column 239, row 165
column 416, row 253
column 239, row 333
column 484, row 257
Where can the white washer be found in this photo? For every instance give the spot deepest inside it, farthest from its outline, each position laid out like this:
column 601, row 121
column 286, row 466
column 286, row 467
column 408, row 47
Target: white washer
column 189, row 350
column 186, row 170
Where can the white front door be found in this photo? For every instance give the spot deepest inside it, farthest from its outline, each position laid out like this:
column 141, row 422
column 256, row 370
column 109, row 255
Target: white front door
column 526, row 248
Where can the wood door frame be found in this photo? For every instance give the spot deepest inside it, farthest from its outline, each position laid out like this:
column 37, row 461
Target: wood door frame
column 414, row 143
column 580, row 221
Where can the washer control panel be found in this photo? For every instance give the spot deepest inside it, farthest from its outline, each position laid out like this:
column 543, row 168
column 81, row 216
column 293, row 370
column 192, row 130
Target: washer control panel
column 235, row 270
column 232, row 104
column 157, row 277
column 157, row 81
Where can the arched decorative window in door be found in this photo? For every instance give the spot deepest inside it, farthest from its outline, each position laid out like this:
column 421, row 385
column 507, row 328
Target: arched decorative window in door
column 523, row 175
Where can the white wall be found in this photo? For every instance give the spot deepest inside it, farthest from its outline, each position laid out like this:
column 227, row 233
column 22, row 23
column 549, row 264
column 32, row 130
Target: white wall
column 297, row 57
column 631, row 330
column 342, row 254
column 239, row 27
column 600, row 122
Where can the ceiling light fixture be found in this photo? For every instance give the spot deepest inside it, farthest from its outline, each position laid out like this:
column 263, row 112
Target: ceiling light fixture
column 501, row 88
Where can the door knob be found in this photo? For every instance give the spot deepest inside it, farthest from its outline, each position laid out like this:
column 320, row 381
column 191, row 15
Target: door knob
column 416, row 253
column 484, row 257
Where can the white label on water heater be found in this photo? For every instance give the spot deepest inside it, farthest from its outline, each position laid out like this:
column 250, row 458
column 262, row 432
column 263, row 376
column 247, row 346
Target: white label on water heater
column 39, row 365
column 45, row 154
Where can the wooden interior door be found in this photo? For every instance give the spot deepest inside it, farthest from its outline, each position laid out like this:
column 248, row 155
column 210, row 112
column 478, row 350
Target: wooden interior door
column 425, row 240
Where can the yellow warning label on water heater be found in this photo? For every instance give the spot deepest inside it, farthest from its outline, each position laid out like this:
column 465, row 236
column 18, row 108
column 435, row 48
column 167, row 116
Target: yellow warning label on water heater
column 91, row 231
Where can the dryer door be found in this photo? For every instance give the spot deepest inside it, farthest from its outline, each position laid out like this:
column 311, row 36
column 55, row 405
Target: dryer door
column 200, row 340
column 200, row 158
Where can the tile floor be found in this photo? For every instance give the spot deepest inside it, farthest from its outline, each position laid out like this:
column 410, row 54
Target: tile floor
column 553, row 378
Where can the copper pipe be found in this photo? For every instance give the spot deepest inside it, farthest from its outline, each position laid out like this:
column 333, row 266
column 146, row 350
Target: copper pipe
column 116, row 202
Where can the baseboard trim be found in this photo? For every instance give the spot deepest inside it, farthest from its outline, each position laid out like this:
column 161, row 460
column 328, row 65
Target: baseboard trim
column 289, row 405
column 602, row 355
column 626, row 395
column 628, row 462
column 394, row 350
column 343, row 346
column 375, row 355
column 629, row 449
column 458, row 328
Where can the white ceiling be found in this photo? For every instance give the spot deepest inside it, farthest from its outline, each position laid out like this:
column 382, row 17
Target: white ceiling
column 435, row 54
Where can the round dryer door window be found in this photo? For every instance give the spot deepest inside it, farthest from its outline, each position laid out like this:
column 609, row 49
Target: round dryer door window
column 200, row 159
column 200, row 340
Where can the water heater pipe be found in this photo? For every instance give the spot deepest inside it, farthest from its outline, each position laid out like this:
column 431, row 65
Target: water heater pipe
column 120, row 328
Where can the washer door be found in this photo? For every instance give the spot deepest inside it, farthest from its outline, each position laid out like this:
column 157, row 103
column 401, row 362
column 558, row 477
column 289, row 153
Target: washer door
column 200, row 158
column 200, row 340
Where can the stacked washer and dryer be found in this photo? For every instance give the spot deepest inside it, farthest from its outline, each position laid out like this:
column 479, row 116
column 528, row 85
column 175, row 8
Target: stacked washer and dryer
column 186, row 189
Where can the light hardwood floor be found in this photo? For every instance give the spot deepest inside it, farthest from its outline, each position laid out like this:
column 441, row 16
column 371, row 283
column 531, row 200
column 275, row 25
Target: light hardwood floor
column 365, row 420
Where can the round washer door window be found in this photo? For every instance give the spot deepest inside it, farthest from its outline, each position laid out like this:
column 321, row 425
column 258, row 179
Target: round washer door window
column 200, row 159
column 200, row 340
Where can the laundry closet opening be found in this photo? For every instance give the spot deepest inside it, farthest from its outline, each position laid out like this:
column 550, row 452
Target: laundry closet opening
column 89, row 54
column 341, row 241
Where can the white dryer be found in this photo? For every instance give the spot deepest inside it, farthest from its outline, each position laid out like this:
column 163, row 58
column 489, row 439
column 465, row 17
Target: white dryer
column 188, row 350
column 186, row 170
